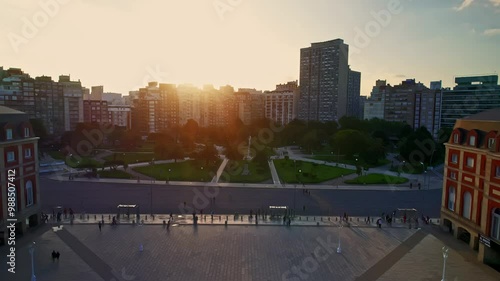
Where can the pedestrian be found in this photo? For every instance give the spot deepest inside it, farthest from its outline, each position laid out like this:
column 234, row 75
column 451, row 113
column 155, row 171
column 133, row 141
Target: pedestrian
column 379, row 223
column 100, row 226
column 404, row 218
column 53, row 256
column 57, row 256
column 368, row 220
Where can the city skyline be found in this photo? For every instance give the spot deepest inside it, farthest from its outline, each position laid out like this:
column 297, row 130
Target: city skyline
column 247, row 44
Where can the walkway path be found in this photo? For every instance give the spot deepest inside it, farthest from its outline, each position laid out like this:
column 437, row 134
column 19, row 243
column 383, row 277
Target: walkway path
column 220, row 170
column 274, row 173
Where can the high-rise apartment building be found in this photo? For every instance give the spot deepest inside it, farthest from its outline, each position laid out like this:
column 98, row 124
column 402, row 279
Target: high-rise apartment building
column 324, row 74
column 97, row 92
column 280, row 105
column 471, row 95
column 49, row 104
column 96, row 111
column 73, row 102
column 374, row 105
column 353, row 94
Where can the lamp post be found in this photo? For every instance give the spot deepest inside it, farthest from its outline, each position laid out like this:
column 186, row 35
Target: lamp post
column 424, row 172
column 445, row 256
column 32, row 253
column 169, row 170
column 339, row 249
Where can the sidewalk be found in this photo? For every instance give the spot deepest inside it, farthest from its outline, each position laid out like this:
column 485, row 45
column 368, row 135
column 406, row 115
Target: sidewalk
column 403, row 187
column 220, row 219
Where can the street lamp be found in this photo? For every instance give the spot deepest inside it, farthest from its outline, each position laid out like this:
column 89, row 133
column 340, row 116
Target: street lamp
column 339, row 249
column 169, row 170
column 32, row 253
column 445, row 256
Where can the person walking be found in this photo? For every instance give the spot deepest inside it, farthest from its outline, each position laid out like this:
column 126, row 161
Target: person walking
column 53, row 256
column 100, row 226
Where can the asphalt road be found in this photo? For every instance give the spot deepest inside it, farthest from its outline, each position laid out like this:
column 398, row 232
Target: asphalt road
column 99, row 198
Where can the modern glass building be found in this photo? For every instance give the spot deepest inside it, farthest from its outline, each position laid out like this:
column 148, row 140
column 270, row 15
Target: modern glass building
column 470, row 96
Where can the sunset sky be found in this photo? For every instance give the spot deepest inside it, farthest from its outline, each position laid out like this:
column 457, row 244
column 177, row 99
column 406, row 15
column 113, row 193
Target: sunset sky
column 122, row 44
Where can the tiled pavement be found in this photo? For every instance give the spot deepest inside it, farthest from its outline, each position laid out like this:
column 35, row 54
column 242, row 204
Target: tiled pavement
column 238, row 253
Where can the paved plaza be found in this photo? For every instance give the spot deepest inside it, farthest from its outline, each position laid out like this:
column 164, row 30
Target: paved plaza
column 240, row 252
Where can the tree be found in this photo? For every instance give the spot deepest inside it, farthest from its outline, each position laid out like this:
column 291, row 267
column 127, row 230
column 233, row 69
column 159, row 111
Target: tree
column 417, row 147
column 260, row 158
column 38, row 128
column 176, row 152
column 161, row 150
column 373, row 152
column 350, row 142
column 209, row 154
column 231, row 152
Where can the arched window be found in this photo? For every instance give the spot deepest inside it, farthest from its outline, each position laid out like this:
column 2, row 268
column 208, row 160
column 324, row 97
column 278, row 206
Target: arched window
column 495, row 223
column 451, row 198
column 29, row 193
column 467, row 204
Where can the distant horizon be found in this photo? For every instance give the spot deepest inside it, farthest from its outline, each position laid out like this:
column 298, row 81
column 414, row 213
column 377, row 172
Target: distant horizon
column 56, row 77
column 247, row 44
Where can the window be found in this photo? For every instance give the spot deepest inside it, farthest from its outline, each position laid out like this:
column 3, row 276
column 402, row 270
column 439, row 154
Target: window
column 9, row 134
column 453, row 175
column 454, row 158
column 27, row 153
column 472, row 141
column 491, row 143
column 26, row 132
column 451, row 198
column 470, row 162
column 467, row 204
column 29, row 193
column 495, row 224
column 455, row 138
column 11, row 156
column 497, row 172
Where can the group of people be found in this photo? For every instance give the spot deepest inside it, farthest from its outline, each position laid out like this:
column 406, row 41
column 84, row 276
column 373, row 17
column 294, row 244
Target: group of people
column 306, row 191
column 55, row 255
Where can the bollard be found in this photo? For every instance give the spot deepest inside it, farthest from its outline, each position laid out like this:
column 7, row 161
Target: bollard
column 219, row 218
column 225, row 223
column 336, row 218
column 88, row 217
column 358, row 219
column 317, row 224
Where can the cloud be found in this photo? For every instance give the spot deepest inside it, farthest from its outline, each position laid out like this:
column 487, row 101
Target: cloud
column 492, row 32
column 465, row 4
column 495, row 3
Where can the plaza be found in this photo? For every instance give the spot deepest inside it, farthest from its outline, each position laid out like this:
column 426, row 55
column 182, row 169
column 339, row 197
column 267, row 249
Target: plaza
column 242, row 252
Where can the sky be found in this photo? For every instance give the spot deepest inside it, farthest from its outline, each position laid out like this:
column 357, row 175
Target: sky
column 123, row 44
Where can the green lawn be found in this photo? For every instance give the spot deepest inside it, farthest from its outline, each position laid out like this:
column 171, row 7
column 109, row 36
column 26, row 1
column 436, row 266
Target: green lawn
column 334, row 158
column 257, row 174
column 115, row 174
column 77, row 162
column 377, row 179
column 288, row 171
column 182, row 171
column 57, row 155
column 131, row 157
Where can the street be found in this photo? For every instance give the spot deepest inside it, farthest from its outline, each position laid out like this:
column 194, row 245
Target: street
column 92, row 197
